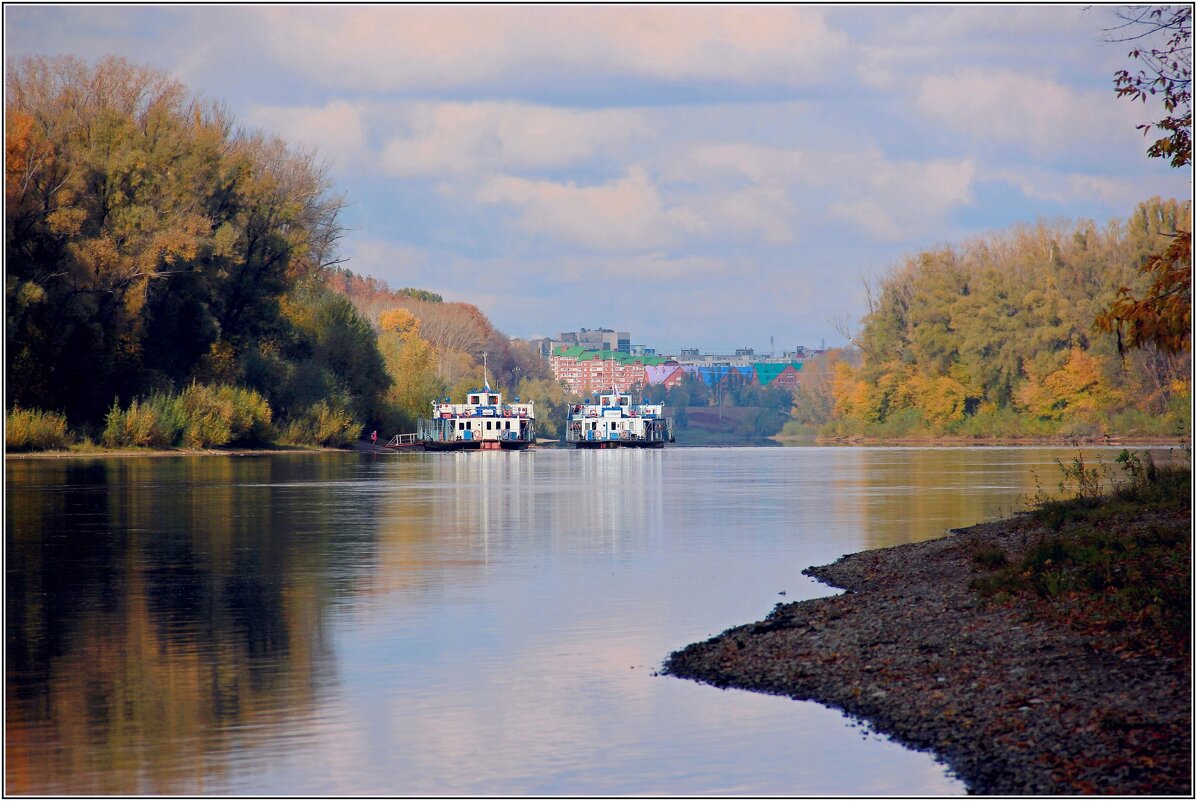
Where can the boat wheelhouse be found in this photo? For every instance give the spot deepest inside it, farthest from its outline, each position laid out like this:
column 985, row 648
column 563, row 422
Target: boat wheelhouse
column 613, row 421
column 483, row 422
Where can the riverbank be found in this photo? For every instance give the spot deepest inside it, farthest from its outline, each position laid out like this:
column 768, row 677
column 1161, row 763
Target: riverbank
column 1019, row 692
column 956, row 442
column 110, row 453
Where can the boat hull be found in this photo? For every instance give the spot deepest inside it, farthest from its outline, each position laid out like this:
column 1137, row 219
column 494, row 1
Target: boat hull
column 477, row 445
column 601, row 444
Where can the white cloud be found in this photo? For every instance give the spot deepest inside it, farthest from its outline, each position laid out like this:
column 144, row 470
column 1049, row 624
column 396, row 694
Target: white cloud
column 1039, row 114
column 336, row 129
column 468, row 138
column 898, row 201
column 888, row 199
column 1067, row 188
column 745, row 214
column 759, row 164
column 907, row 43
column 624, row 214
column 403, row 47
column 389, row 261
column 657, row 270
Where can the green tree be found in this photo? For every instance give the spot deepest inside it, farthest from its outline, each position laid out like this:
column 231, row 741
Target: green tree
column 330, row 352
column 1002, row 326
column 148, row 242
column 411, row 365
column 551, row 399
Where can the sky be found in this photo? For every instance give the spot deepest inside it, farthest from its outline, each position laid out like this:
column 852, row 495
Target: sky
column 711, row 176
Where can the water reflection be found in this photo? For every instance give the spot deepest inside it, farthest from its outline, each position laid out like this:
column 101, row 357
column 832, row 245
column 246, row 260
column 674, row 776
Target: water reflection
column 481, row 623
column 154, row 607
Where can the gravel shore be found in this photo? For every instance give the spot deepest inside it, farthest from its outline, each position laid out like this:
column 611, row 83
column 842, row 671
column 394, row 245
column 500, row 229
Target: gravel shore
column 1013, row 705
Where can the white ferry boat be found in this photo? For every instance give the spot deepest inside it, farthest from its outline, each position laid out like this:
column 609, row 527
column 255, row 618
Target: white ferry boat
column 484, row 422
column 613, row 421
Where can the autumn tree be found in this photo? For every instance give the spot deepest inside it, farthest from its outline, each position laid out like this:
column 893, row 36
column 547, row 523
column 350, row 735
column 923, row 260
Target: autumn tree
column 1161, row 316
column 995, row 337
column 148, row 241
column 1165, row 72
column 551, row 398
column 411, row 363
column 459, row 333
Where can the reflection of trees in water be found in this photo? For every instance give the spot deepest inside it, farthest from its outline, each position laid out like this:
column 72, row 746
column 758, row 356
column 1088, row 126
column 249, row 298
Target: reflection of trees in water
column 447, row 514
column 155, row 608
column 909, row 495
column 619, row 495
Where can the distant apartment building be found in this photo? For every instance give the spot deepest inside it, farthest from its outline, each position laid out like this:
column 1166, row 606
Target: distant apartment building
column 766, row 374
column 597, row 339
column 587, row 371
column 542, row 345
column 594, row 360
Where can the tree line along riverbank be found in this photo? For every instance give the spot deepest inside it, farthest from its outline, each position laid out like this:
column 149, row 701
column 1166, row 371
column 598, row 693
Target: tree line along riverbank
column 175, row 280
column 1049, row 653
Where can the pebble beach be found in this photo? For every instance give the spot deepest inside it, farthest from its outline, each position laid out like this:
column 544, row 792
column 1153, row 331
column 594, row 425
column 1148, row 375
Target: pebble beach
column 1010, row 703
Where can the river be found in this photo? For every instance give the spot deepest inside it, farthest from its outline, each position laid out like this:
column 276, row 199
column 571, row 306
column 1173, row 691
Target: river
column 444, row 624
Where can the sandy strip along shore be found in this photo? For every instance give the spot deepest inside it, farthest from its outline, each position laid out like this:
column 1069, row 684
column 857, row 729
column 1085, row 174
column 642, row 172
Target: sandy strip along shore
column 1011, row 703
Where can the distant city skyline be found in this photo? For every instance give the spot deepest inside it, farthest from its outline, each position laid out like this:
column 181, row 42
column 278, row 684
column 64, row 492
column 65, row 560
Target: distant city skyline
column 702, row 176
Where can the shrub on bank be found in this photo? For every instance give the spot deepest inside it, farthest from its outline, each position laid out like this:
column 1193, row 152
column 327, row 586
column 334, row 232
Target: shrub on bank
column 202, row 416
column 1115, row 565
column 795, row 430
column 35, row 430
column 214, row 416
column 330, row 426
column 152, row 423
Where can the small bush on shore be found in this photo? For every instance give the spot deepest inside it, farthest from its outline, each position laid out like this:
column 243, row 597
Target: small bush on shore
column 1116, row 566
column 325, row 425
column 989, row 556
column 202, row 416
column 214, row 416
column 35, row 430
column 152, row 423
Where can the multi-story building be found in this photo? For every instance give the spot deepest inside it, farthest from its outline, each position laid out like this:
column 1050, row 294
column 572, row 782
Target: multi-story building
column 587, row 371
column 597, row 339
column 590, row 361
column 777, row 374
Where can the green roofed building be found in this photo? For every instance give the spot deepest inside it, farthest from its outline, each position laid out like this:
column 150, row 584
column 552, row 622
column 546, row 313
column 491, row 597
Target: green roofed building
column 781, row 374
column 585, row 371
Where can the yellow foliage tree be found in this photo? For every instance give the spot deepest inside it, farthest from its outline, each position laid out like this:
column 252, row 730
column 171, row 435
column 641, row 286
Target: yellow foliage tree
column 845, row 391
column 399, row 321
column 941, row 399
column 412, row 365
column 1078, row 389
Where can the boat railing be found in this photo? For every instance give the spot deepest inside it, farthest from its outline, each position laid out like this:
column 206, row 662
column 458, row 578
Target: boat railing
column 658, row 430
column 445, row 430
column 401, row 440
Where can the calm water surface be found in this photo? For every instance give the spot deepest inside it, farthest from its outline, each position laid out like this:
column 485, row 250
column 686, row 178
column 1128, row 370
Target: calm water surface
column 481, row 623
